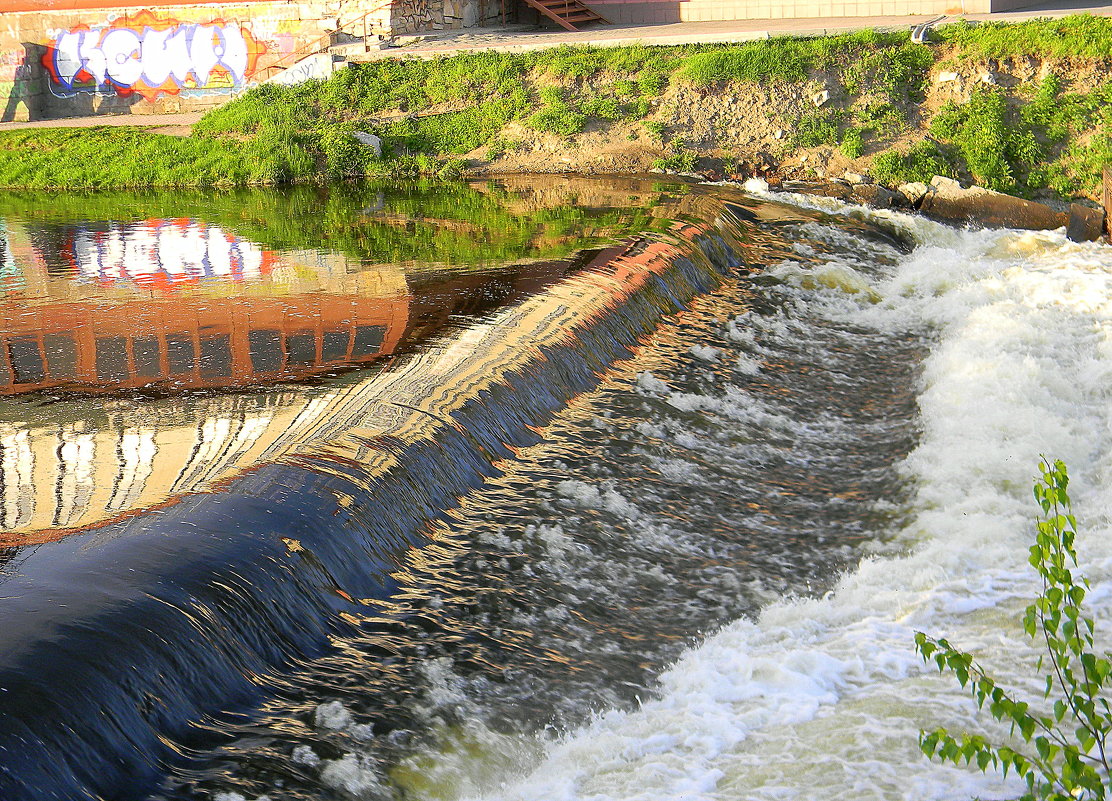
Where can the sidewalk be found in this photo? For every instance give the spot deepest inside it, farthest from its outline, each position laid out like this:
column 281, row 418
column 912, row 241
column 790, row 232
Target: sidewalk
column 171, row 124
column 517, row 39
column 510, row 40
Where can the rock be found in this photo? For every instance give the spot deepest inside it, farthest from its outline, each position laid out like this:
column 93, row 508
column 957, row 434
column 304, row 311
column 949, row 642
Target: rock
column 779, row 133
column 840, row 191
column 370, row 140
column 876, row 196
column 988, row 78
column 947, row 200
column 821, row 98
column 947, row 77
column 913, row 191
column 1086, row 224
column 857, row 178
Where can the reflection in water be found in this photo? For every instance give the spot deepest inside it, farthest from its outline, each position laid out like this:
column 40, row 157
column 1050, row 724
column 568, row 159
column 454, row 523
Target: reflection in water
column 183, row 304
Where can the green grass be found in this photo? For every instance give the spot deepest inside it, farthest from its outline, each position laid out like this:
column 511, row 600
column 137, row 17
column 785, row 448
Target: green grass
column 1079, row 36
column 819, row 128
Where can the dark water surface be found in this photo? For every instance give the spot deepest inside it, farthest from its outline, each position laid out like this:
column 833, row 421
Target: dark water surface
column 365, row 493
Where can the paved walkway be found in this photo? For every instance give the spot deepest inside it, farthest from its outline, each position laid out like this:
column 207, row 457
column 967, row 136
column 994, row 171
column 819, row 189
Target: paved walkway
column 447, row 42
column 520, row 39
column 172, row 124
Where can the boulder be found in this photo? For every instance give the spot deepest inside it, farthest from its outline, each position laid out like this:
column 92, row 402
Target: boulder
column 840, row 191
column 370, row 140
column 947, row 200
column 857, row 178
column 1086, row 224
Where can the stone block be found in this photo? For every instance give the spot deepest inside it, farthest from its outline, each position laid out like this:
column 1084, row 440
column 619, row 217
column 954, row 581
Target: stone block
column 947, row 200
column 876, row 196
column 1086, row 224
column 914, row 192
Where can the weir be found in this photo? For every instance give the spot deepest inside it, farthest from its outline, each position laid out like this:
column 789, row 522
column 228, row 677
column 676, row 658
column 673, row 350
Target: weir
column 130, row 625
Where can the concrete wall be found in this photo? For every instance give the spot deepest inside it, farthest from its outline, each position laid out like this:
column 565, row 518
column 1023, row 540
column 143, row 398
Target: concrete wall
column 649, row 12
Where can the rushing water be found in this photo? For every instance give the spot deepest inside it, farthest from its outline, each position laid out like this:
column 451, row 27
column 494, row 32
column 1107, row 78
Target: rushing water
column 574, row 489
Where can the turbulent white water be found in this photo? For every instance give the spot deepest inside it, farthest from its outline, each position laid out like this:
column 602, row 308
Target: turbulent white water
column 823, row 698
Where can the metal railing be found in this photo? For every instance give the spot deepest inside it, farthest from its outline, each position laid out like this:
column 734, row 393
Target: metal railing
column 320, row 45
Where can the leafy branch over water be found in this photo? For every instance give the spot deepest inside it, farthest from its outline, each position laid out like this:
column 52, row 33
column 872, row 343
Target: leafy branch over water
column 1070, row 756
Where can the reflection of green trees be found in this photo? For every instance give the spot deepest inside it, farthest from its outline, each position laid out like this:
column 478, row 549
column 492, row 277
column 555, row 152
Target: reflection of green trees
column 442, row 223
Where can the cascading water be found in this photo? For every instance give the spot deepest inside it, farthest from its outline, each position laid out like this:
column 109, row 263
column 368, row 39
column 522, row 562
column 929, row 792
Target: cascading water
column 656, row 521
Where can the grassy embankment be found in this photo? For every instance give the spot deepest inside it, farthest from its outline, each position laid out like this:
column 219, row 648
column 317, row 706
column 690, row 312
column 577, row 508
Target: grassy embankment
column 1042, row 128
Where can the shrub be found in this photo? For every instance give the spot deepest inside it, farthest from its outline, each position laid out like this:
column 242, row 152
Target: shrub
column 680, row 161
column 923, row 161
column 1069, row 760
column 819, row 128
column 853, row 144
column 605, row 108
column 997, row 147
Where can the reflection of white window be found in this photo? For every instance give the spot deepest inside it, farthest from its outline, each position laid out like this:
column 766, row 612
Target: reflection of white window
column 219, row 252
column 252, row 259
column 86, row 255
column 10, row 273
column 76, row 452
column 251, row 427
column 135, row 450
column 17, row 468
column 213, row 435
column 173, row 252
column 196, row 250
column 140, row 252
column 112, row 255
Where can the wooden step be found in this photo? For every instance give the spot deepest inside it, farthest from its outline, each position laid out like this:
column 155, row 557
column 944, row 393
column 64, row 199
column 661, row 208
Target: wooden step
column 566, row 13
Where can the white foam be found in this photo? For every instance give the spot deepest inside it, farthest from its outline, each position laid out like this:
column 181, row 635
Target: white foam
column 354, row 776
column 823, row 698
column 332, row 715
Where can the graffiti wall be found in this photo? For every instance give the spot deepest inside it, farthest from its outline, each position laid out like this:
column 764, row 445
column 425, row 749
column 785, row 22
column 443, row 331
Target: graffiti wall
column 151, row 60
column 152, row 56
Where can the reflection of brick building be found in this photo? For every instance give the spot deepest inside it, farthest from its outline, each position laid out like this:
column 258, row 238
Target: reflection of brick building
column 105, row 308
column 83, row 462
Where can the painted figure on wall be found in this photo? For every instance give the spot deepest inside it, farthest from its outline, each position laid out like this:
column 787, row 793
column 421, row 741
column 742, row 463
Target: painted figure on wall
column 149, row 56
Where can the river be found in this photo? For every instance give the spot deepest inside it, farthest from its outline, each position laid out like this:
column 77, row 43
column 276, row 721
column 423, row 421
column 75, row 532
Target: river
column 531, row 488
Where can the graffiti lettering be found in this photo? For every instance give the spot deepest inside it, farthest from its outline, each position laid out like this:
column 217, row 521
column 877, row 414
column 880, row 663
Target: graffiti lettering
column 153, row 57
column 166, row 254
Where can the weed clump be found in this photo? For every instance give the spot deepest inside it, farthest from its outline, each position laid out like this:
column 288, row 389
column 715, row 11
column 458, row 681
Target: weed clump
column 1070, row 733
